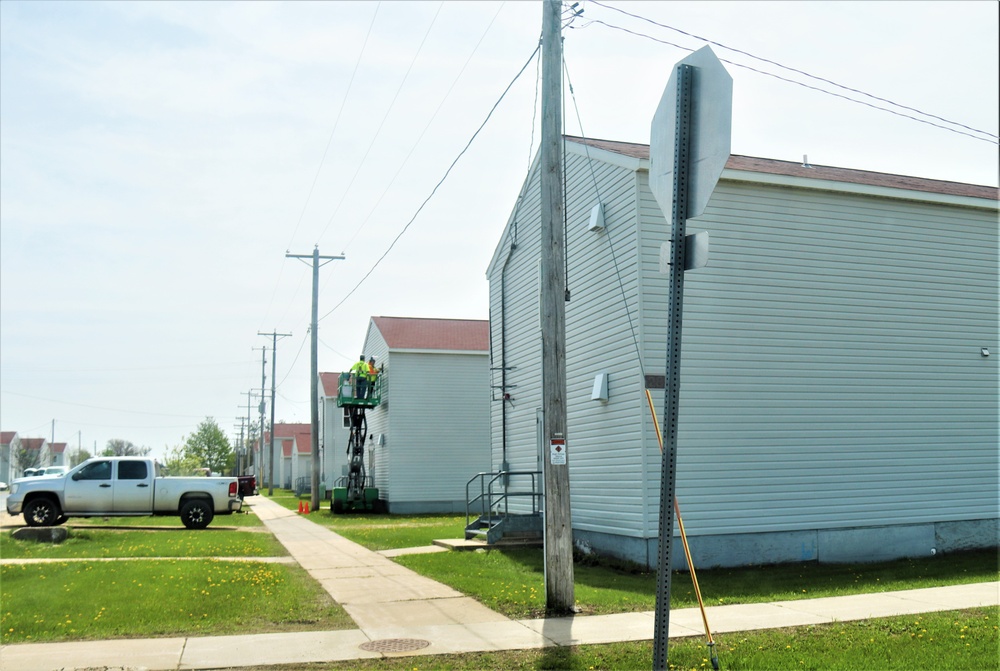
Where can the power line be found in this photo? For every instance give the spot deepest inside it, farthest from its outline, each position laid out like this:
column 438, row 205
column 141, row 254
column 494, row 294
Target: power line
column 438, row 185
column 424, row 131
column 796, row 70
column 814, row 88
column 319, row 168
column 336, row 123
column 611, row 246
column 364, row 159
column 292, row 366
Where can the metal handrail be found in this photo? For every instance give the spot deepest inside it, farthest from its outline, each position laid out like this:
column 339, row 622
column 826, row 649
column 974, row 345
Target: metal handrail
column 343, row 481
column 372, row 399
column 491, row 500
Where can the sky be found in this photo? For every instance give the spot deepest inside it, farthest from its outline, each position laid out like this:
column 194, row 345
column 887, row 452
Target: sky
column 158, row 160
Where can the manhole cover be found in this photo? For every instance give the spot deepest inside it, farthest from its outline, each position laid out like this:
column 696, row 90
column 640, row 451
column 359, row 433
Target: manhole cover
column 395, row 645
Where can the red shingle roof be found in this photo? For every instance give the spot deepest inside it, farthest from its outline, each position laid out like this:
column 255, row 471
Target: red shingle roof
column 328, row 381
column 57, row 448
column 821, row 172
column 289, row 429
column 429, row 334
column 6, row 437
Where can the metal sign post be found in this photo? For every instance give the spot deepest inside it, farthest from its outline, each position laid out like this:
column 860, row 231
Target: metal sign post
column 689, row 147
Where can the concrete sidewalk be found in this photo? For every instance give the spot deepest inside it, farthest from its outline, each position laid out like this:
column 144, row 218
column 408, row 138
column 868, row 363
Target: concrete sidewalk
column 399, row 612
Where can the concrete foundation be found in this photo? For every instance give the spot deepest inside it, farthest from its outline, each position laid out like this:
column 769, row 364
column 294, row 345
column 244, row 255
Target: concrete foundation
column 862, row 544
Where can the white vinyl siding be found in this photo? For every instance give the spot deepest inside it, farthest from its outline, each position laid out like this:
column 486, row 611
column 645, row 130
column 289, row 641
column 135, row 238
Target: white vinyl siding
column 380, row 420
column 435, row 429
column 604, row 440
column 439, row 428
column 832, row 376
column 831, row 367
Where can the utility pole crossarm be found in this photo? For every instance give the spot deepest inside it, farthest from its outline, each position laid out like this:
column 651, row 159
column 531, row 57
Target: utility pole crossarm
column 312, row 256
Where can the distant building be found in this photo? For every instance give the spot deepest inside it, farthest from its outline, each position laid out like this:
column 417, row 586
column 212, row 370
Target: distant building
column 430, row 434
column 292, row 455
column 839, row 377
column 10, row 443
column 57, row 455
column 334, row 431
column 32, row 453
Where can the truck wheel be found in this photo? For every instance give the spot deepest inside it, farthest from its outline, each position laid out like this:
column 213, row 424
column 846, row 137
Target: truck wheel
column 42, row 512
column 338, row 507
column 197, row 513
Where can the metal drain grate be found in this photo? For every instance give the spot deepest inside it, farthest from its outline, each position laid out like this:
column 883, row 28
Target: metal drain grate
column 395, row 645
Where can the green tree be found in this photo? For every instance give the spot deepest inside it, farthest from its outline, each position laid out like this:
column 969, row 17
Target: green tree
column 26, row 457
column 179, row 462
column 78, row 457
column 117, row 447
column 210, row 447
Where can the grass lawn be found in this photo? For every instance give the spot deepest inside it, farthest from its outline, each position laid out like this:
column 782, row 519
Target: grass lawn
column 240, row 519
column 88, row 600
column 963, row 640
column 386, row 532
column 287, row 498
column 512, row 581
column 103, row 543
column 379, row 532
column 95, row 600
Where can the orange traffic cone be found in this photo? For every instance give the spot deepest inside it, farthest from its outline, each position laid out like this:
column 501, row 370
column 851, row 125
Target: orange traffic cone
column 300, row 507
column 307, row 508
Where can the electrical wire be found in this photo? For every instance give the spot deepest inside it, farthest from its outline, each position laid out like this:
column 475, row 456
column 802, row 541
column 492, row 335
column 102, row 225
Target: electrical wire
column 420, row 137
column 611, row 246
column 436, row 186
column 807, row 86
column 795, row 70
column 378, row 131
column 292, row 365
column 335, row 351
column 319, row 169
column 336, row 123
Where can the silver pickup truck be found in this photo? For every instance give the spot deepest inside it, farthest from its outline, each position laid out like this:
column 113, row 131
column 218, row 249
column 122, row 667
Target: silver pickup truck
column 120, row 487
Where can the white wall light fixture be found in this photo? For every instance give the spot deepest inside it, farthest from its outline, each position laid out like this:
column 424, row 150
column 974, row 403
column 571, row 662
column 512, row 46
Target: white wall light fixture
column 596, row 218
column 600, row 392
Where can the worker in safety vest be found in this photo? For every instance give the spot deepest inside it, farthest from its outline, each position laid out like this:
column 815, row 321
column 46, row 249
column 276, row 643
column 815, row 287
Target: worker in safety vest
column 372, row 375
column 359, row 378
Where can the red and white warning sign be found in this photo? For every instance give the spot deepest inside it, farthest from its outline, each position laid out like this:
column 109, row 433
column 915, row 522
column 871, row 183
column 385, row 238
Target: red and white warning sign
column 557, row 452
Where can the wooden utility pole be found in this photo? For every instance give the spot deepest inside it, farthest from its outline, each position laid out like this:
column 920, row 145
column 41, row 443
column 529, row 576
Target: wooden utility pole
column 260, row 406
column 274, row 360
column 314, row 369
column 559, row 595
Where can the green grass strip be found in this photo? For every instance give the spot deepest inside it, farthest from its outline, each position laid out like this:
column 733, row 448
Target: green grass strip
column 105, row 543
column 964, row 640
column 96, row 600
column 512, row 581
column 241, row 519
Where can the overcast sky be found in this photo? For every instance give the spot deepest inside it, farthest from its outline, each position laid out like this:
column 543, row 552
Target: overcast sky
column 158, row 159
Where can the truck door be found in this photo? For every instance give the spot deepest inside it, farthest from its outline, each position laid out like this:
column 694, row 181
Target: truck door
column 90, row 490
column 133, row 487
